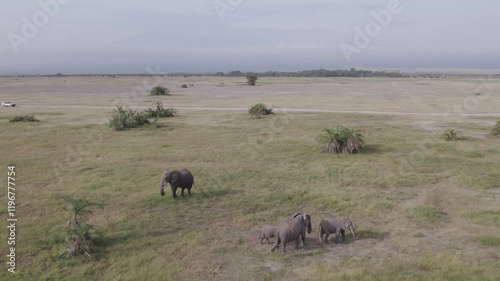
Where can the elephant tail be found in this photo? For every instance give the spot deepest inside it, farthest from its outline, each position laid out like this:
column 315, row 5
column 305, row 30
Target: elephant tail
column 194, row 185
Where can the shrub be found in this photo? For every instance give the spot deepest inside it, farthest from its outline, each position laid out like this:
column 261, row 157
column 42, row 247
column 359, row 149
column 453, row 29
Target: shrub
column 159, row 91
column 260, row 109
column 451, row 135
column 78, row 232
column 496, row 130
column 341, row 140
column 184, row 86
column 160, row 111
column 24, row 118
column 124, row 118
column 251, row 79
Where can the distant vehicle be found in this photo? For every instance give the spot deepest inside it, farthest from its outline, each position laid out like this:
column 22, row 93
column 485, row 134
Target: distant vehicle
column 8, row 104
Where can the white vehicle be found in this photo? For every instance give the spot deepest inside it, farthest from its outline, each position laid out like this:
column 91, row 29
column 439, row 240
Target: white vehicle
column 8, row 104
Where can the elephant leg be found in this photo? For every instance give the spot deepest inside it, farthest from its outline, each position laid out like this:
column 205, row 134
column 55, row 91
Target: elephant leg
column 182, row 191
column 304, row 240
column 342, row 232
column 326, row 238
column 276, row 243
column 268, row 242
column 174, row 190
column 297, row 242
column 261, row 240
column 189, row 191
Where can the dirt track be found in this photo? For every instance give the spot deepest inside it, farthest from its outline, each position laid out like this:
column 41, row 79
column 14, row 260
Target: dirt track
column 281, row 110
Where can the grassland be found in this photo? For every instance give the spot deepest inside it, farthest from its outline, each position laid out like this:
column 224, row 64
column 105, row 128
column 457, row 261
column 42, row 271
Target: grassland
column 424, row 208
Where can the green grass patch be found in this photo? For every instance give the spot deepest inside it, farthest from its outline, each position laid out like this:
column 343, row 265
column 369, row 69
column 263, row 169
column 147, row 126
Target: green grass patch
column 485, row 217
column 493, row 241
column 425, row 213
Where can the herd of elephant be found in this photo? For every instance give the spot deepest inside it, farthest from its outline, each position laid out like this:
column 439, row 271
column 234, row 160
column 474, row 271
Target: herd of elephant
column 294, row 230
column 291, row 230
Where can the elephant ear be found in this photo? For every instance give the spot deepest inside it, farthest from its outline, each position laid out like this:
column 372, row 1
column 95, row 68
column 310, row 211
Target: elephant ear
column 175, row 177
column 163, row 181
column 296, row 215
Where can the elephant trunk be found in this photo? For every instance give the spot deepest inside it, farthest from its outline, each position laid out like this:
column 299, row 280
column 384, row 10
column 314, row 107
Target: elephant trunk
column 353, row 233
column 162, row 187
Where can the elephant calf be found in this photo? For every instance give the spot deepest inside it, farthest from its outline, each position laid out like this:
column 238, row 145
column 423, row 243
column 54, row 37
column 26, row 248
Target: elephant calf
column 182, row 178
column 326, row 228
column 293, row 230
column 268, row 231
column 341, row 225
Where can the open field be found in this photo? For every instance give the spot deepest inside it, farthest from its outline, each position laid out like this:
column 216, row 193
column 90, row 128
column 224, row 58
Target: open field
column 424, row 208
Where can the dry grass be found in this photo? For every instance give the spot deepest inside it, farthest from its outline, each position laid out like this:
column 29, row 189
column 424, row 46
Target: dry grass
column 424, row 208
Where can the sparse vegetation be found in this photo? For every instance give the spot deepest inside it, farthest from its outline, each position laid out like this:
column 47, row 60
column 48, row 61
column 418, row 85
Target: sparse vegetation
column 259, row 110
column 184, row 86
column 341, row 140
column 496, row 130
column 24, row 118
column 158, row 111
column 159, row 91
column 452, row 135
column 79, row 233
column 251, row 80
column 124, row 118
column 252, row 173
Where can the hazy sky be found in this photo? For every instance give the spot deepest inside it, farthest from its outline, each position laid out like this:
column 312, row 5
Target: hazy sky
column 125, row 36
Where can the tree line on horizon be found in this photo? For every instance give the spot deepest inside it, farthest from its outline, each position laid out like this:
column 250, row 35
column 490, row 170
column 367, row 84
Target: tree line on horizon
column 318, row 73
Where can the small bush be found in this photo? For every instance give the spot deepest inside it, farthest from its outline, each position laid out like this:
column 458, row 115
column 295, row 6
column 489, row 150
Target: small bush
column 159, row 91
column 158, row 111
column 184, row 86
column 24, row 118
column 341, row 140
column 259, row 110
column 79, row 233
column 251, row 80
column 496, row 130
column 124, row 118
column 452, row 135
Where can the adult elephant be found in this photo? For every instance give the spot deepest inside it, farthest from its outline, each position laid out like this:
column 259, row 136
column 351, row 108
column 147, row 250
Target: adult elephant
column 293, row 230
column 182, row 178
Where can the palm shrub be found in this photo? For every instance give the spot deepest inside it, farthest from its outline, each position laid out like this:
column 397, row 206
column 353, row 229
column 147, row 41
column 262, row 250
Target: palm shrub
column 158, row 111
column 341, row 140
column 259, row 110
column 24, row 118
column 124, row 118
column 451, row 135
column 496, row 130
column 78, row 232
column 159, row 91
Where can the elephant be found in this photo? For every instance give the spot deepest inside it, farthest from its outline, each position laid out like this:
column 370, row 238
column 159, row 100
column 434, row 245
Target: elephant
column 182, row 178
column 268, row 231
column 341, row 225
column 326, row 228
column 293, row 230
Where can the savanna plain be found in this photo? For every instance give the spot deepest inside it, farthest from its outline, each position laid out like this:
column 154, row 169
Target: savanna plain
column 424, row 208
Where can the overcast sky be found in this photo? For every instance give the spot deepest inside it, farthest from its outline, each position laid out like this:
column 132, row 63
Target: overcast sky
column 126, row 36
